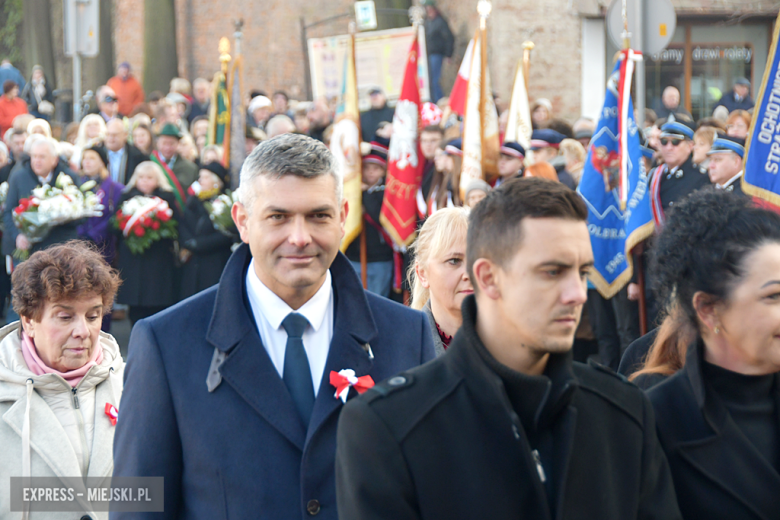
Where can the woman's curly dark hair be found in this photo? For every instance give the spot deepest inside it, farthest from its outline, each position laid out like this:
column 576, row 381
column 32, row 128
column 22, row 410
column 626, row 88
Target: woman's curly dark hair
column 704, row 245
column 702, row 248
column 67, row 271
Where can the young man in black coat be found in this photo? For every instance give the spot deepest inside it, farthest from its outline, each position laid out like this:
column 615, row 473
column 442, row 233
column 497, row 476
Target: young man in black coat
column 505, row 425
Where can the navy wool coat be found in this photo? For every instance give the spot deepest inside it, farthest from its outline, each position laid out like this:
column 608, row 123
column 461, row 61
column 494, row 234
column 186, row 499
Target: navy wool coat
column 241, row 450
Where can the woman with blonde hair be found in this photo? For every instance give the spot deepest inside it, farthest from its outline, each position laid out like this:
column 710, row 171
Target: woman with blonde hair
column 148, row 276
column 152, row 171
column 39, row 126
column 187, row 148
column 92, row 131
column 438, row 274
column 575, row 156
column 211, row 153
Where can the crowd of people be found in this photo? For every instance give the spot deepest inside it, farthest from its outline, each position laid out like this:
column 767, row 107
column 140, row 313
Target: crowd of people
column 466, row 402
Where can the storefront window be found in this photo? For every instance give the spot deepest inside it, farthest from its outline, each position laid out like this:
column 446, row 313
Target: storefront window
column 717, row 54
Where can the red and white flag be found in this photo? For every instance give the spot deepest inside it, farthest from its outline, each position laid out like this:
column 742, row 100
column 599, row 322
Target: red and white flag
column 405, row 165
column 461, row 86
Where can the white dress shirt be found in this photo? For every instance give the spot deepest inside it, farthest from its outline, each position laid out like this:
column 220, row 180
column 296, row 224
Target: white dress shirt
column 269, row 311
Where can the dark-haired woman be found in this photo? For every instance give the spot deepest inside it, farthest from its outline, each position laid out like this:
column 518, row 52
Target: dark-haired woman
column 209, row 249
column 94, row 167
column 717, row 417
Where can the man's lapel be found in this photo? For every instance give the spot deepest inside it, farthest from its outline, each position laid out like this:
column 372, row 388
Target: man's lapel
column 354, row 329
column 247, row 367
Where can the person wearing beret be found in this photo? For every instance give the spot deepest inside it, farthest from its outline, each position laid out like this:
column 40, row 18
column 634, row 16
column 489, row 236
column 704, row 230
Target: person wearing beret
column 510, row 162
column 179, row 172
column 726, row 167
column 209, row 249
column 546, row 143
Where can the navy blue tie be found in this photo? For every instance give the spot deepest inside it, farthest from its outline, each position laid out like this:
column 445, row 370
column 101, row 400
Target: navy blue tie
column 297, row 373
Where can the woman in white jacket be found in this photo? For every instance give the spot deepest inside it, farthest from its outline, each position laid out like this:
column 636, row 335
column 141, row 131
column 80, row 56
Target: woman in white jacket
column 60, row 376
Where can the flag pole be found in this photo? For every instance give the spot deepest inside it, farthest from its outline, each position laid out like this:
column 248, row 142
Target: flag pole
column 363, row 247
column 483, row 8
column 527, row 48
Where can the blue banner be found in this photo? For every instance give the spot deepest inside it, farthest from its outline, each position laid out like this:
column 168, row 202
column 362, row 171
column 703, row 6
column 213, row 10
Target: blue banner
column 614, row 232
column 762, row 156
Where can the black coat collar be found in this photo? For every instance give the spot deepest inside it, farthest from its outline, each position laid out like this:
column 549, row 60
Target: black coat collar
column 717, row 448
column 464, row 350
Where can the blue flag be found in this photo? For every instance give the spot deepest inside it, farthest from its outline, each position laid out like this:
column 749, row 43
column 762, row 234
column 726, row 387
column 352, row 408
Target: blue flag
column 614, row 232
column 762, row 155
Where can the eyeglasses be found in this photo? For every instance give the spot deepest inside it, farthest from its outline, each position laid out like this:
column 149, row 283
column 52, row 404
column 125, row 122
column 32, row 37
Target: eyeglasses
column 674, row 142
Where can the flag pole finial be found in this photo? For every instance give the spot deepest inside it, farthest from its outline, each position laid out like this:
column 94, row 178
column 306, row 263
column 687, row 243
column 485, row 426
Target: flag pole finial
column 626, row 34
column 224, row 53
column 484, row 7
column 416, row 14
column 528, row 46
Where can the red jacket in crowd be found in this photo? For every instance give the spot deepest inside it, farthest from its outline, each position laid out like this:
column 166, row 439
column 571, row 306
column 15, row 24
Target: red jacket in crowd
column 129, row 93
column 9, row 109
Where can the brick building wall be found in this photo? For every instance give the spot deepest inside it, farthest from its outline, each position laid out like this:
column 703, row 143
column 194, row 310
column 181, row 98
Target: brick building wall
column 274, row 57
column 273, row 51
column 272, row 48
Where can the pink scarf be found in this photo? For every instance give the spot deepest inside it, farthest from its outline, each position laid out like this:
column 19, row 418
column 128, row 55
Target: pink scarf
column 38, row 367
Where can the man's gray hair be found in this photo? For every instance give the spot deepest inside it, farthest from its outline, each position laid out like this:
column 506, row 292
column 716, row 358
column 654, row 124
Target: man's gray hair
column 287, row 154
column 50, row 143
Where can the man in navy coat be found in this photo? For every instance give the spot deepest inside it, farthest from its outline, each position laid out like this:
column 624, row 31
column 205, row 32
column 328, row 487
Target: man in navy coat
column 227, row 395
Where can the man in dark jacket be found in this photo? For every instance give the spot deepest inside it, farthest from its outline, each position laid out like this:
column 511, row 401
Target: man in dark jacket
column 739, row 98
column 44, row 168
column 378, row 113
column 123, row 157
column 230, row 394
column 439, row 45
column 504, row 424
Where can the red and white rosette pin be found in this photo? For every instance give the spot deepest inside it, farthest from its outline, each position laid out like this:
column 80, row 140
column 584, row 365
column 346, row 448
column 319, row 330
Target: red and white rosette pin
column 344, row 379
column 112, row 413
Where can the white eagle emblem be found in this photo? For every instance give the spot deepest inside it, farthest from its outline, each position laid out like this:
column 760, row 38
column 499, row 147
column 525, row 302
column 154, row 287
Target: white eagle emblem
column 403, row 144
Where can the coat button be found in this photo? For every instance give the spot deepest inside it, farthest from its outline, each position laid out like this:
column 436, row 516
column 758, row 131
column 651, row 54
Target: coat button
column 313, row 507
column 86, row 517
column 397, row 381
